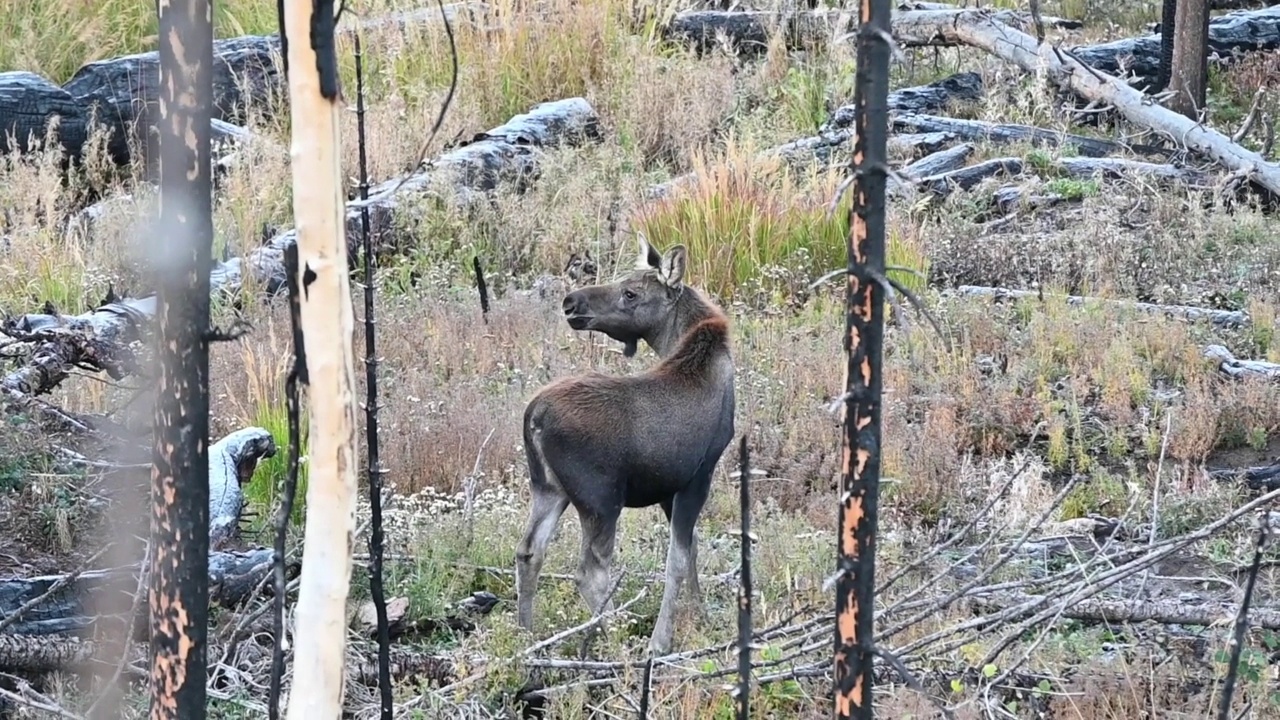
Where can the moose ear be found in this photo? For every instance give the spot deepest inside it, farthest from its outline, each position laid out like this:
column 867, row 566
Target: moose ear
column 648, row 257
column 673, row 263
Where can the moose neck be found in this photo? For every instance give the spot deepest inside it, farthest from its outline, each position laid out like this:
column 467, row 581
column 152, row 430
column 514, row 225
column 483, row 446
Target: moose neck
column 690, row 309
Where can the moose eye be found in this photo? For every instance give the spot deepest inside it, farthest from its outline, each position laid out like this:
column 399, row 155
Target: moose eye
column 629, row 294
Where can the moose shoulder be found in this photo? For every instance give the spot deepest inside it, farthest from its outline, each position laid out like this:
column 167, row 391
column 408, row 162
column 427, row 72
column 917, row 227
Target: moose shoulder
column 603, row 442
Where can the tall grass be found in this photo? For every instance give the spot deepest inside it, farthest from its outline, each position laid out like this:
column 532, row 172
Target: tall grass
column 753, row 225
column 264, row 406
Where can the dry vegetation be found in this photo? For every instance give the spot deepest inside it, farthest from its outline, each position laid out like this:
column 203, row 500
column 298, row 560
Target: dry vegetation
column 1080, row 411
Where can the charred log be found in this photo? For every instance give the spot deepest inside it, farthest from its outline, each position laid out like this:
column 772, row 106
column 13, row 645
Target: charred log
column 979, row 130
column 122, row 92
column 509, row 153
column 101, row 340
column 749, row 32
column 1229, row 35
column 71, row 608
column 37, row 654
column 936, row 96
column 28, row 103
column 1265, row 478
column 945, row 183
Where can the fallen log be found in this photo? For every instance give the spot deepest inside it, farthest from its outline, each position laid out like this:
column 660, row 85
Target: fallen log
column 107, row 338
column 1011, row 197
column 1229, row 35
column 28, row 103
column 939, row 163
column 40, row 653
column 121, row 92
column 934, row 97
column 820, row 148
column 981, row 130
column 965, row 179
column 1071, row 74
column 232, row 462
column 1265, row 478
column 1219, row 318
column 100, row 340
column 509, row 153
column 1237, row 368
column 945, row 183
column 749, row 32
column 837, row 132
column 1163, row 611
column 71, row 608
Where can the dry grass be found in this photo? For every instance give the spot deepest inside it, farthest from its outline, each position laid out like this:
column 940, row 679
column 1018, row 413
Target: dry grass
column 1116, row 402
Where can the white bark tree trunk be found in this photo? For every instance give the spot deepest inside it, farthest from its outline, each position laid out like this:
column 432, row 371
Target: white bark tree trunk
column 326, row 315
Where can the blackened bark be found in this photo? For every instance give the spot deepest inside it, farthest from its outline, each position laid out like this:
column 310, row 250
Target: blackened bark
column 864, row 328
column 179, row 592
column 1167, row 21
column 744, row 588
column 374, row 467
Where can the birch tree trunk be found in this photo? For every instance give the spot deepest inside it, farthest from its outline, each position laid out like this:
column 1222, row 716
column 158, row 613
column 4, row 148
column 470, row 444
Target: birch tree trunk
column 183, row 244
column 1189, row 69
column 327, row 322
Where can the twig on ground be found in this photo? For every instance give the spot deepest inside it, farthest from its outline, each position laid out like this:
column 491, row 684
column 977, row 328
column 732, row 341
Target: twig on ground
column 1242, row 621
column 29, row 697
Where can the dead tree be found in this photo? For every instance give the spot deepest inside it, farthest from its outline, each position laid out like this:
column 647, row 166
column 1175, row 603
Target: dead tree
column 863, row 340
column 327, row 323
column 179, row 586
column 1189, row 65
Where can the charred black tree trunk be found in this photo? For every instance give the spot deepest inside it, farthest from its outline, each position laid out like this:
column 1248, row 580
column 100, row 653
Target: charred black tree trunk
column 374, row 468
column 864, row 328
column 744, row 587
column 1189, row 66
column 179, row 588
column 1168, row 13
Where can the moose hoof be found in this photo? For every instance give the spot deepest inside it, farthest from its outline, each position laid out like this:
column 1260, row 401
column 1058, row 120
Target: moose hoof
column 660, row 646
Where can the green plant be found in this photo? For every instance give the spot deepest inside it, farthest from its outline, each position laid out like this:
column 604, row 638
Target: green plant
column 1073, row 188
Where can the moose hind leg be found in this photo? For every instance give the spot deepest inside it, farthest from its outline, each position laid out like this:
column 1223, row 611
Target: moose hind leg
column 598, row 534
column 544, row 514
column 680, row 563
column 691, row 576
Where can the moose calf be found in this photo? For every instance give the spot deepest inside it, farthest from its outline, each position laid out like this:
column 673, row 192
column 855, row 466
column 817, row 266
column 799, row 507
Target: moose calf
column 604, row 442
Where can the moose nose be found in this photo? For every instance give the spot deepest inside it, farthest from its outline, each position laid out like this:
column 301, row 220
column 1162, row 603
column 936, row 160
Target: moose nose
column 573, row 304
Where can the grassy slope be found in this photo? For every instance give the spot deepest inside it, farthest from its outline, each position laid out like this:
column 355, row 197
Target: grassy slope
column 1122, row 404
